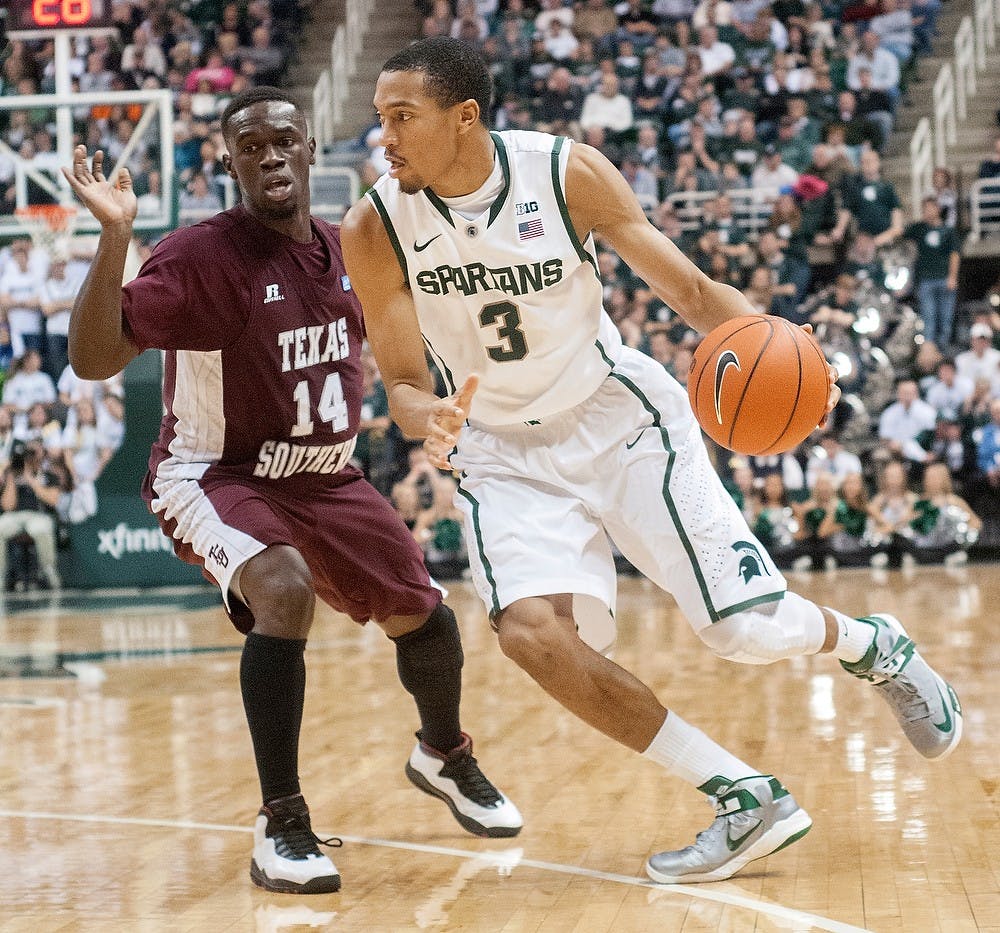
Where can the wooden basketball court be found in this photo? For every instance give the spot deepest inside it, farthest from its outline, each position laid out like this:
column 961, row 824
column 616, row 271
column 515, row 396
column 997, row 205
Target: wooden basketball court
column 127, row 788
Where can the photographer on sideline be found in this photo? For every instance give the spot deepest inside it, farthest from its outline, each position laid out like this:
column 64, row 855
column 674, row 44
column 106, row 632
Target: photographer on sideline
column 28, row 503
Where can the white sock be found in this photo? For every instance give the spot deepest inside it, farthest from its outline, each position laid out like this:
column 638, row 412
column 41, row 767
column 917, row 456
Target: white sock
column 691, row 755
column 854, row 637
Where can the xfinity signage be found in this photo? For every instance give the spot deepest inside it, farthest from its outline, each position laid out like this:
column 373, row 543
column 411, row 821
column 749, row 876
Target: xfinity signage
column 125, row 540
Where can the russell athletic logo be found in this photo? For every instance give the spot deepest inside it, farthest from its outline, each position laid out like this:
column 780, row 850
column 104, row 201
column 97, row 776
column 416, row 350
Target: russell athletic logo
column 272, row 293
column 726, row 359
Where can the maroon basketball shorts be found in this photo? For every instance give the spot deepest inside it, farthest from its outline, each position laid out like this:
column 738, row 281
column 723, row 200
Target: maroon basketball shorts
column 362, row 558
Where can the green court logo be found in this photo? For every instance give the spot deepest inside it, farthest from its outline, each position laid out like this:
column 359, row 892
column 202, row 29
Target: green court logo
column 751, row 562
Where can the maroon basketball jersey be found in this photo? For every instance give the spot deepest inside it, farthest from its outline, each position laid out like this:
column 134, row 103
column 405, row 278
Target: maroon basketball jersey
column 262, row 334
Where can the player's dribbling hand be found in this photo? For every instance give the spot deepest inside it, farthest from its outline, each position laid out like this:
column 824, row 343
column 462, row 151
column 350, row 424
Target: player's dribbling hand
column 834, row 396
column 113, row 203
column 446, row 419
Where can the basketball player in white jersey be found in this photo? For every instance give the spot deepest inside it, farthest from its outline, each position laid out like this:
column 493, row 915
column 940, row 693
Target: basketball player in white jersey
column 479, row 248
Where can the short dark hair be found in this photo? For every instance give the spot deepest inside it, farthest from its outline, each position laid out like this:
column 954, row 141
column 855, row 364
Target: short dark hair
column 454, row 71
column 255, row 95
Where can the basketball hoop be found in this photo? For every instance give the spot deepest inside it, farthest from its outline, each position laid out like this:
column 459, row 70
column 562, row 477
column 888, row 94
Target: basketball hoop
column 50, row 226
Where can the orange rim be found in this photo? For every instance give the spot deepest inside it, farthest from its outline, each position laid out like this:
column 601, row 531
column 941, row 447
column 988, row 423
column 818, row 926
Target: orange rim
column 55, row 216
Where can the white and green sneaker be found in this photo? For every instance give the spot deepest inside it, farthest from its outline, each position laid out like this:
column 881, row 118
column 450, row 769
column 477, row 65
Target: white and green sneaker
column 924, row 703
column 756, row 817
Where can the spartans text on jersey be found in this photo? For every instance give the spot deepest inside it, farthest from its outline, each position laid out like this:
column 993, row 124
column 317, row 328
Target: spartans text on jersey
column 474, row 277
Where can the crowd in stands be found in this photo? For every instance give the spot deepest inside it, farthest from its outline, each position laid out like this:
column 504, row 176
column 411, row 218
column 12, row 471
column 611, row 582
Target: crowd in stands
column 752, row 135
column 202, row 51
column 57, row 431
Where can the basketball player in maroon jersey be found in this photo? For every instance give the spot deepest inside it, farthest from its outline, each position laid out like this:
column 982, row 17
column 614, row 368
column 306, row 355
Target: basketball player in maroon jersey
column 251, row 476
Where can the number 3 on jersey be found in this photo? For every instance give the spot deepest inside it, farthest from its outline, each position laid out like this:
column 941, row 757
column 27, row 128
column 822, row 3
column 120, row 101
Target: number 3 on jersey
column 331, row 408
column 509, row 330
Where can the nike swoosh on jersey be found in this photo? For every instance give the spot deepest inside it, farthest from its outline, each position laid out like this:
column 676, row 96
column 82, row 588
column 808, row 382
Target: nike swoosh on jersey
column 726, row 359
column 420, row 247
column 629, row 446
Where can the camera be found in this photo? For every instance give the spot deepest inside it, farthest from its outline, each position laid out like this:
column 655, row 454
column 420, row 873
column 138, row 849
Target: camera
column 17, row 458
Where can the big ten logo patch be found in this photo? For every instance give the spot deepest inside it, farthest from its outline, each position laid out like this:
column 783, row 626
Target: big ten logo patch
column 525, row 207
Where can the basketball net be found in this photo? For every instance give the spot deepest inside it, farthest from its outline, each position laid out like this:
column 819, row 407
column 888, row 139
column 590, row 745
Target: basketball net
column 50, row 226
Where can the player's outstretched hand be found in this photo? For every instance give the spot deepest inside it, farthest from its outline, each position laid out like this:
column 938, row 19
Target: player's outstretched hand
column 834, row 397
column 445, row 423
column 113, row 203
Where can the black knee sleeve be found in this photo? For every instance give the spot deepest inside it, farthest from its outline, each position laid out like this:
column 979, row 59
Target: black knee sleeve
column 429, row 661
column 432, row 652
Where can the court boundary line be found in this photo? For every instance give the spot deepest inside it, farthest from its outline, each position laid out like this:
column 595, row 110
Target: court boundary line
column 501, row 859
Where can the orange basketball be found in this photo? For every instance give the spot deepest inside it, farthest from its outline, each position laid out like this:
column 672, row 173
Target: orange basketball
column 758, row 384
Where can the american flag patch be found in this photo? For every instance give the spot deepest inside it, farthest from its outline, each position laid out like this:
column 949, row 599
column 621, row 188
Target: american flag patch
column 529, row 229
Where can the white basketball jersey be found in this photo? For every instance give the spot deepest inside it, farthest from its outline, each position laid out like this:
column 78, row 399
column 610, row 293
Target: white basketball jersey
column 512, row 295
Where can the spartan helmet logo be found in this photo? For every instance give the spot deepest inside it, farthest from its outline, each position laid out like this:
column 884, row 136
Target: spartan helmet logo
column 751, row 562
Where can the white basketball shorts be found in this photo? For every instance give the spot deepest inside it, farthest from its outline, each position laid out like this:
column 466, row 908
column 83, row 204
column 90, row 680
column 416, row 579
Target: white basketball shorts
column 540, row 501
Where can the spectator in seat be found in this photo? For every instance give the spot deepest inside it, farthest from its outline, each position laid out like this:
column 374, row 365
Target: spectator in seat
column 903, row 422
column 946, row 195
column 438, row 20
column 760, row 289
column 561, row 104
column 857, row 132
column 553, row 9
column 215, row 70
column 607, row 108
column 637, row 25
column 198, row 198
column 990, row 167
column 812, row 536
column 40, row 426
column 852, row 528
column 893, row 505
column 793, row 145
column 21, row 286
column 873, row 202
column 988, row 447
column 874, row 106
column 982, row 359
column 267, row 61
column 27, row 386
column 27, row 507
column 595, row 19
column 936, row 271
column 954, row 448
column 142, row 57
column 944, row 524
column 777, row 525
column 773, row 174
column 58, row 295
column 649, row 92
column 790, row 278
column 947, row 391
column 716, row 57
column 830, row 458
column 883, row 65
column 439, row 533
column 894, row 28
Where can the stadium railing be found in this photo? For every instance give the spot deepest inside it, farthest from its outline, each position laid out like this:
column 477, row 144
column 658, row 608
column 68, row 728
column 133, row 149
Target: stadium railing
column 955, row 84
column 751, row 207
column 984, row 208
column 331, row 88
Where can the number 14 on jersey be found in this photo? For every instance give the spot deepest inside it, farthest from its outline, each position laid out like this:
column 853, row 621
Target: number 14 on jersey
column 332, row 407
